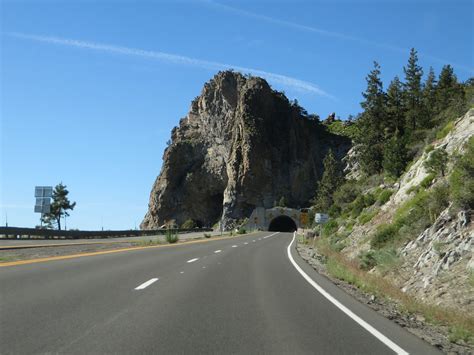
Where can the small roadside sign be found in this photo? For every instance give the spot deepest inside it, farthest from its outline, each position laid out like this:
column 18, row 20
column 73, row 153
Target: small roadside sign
column 303, row 218
column 321, row 218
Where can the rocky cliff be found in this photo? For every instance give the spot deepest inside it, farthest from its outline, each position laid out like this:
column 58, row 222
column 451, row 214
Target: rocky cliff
column 242, row 145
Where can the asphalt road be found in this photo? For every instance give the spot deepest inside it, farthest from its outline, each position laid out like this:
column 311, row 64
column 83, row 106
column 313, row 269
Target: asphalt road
column 238, row 295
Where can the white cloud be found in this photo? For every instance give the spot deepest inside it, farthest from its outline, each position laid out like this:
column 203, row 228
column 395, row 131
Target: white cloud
column 283, row 80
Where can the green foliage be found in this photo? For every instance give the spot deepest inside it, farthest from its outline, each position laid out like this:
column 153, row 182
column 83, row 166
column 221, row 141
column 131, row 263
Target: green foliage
column 372, row 124
column 241, row 230
column 459, row 333
column 281, row 202
column 189, row 224
column 330, row 227
column 445, row 130
column 384, row 196
column 462, row 178
column 413, row 98
column 367, row 260
column 426, row 182
column 343, row 129
column 367, row 216
column 331, row 179
column 171, row 236
column 346, row 193
column 386, row 233
column 395, row 156
column 59, row 207
column 429, row 148
column 207, row 235
column 437, row 161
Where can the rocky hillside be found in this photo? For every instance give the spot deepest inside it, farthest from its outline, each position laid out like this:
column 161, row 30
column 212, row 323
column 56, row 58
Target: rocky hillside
column 437, row 264
column 242, row 145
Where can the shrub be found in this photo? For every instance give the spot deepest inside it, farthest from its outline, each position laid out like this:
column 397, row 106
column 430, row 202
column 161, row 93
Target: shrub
column 188, row 224
column 330, row 227
column 438, row 201
column 385, row 234
column 437, row 161
column 171, row 236
column 207, row 235
column 241, row 230
column 426, row 182
column 445, row 130
column 384, row 196
column 462, row 179
column 367, row 260
column 334, row 211
column 366, row 217
column 429, row 148
column 357, row 206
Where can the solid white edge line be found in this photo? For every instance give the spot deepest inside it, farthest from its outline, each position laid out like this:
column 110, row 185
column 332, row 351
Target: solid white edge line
column 343, row 308
column 192, row 260
column 146, row 284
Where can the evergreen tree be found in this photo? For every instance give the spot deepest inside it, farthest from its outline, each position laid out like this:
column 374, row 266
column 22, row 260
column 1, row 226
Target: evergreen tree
column 448, row 91
column 395, row 109
column 395, row 156
column 332, row 178
column 59, row 207
column 436, row 163
column 429, row 94
column 372, row 124
column 415, row 114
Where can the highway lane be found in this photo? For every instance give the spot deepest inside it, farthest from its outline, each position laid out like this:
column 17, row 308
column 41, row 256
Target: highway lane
column 238, row 295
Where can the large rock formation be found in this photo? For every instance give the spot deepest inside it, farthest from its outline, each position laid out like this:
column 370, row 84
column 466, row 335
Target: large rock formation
column 242, row 145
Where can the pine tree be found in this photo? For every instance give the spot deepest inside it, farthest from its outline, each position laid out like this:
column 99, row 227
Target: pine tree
column 372, row 124
column 448, row 91
column 415, row 114
column 395, row 109
column 395, row 156
column 332, row 178
column 59, row 207
column 429, row 94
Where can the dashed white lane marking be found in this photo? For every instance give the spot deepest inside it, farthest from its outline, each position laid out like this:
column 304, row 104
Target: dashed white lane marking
column 254, row 241
column 271, row 235
column 245, row 243
column 259, row 238
column 181, row 272
column 192, row 260
column 146, row 284
column 203, row 267
column 217, row 251
column 234, row 246
column 343, row 308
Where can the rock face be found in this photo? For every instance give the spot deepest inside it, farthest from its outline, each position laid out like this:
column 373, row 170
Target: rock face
column 242, row 145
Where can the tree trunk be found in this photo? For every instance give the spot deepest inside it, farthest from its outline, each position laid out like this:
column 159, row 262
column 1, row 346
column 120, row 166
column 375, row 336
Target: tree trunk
column 59, row 222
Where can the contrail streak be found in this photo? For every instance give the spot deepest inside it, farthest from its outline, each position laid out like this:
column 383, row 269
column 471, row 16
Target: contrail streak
column 337, row 35
column 284, row 80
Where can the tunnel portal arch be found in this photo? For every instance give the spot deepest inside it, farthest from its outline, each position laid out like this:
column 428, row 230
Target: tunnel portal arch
column 282, row 224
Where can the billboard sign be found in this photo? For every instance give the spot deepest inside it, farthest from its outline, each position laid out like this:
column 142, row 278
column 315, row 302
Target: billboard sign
column 321, row 218
column 43, row 196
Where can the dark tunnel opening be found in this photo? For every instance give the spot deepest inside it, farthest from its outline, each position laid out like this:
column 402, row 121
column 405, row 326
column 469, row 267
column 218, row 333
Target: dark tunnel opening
column 282, row 224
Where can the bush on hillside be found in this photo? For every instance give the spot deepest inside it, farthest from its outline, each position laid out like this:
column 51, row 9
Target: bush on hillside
column 189, row 224
column 462, row 179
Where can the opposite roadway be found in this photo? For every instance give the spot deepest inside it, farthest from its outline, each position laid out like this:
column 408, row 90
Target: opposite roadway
column 237, row 295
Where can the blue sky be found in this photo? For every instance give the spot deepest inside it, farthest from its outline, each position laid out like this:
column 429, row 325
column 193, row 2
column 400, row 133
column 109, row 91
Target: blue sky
column 90, row 90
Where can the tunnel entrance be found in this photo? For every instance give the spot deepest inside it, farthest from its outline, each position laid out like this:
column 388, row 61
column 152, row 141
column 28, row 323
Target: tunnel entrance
column 282, row 224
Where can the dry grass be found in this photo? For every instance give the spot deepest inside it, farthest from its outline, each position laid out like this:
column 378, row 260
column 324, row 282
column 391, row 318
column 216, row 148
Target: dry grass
column 461, row 325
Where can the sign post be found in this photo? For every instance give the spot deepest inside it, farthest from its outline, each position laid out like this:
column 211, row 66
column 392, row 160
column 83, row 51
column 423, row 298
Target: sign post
column 320, row 218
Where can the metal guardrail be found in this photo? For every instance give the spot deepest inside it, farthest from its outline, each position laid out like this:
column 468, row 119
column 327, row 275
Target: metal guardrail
column 35, row 233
